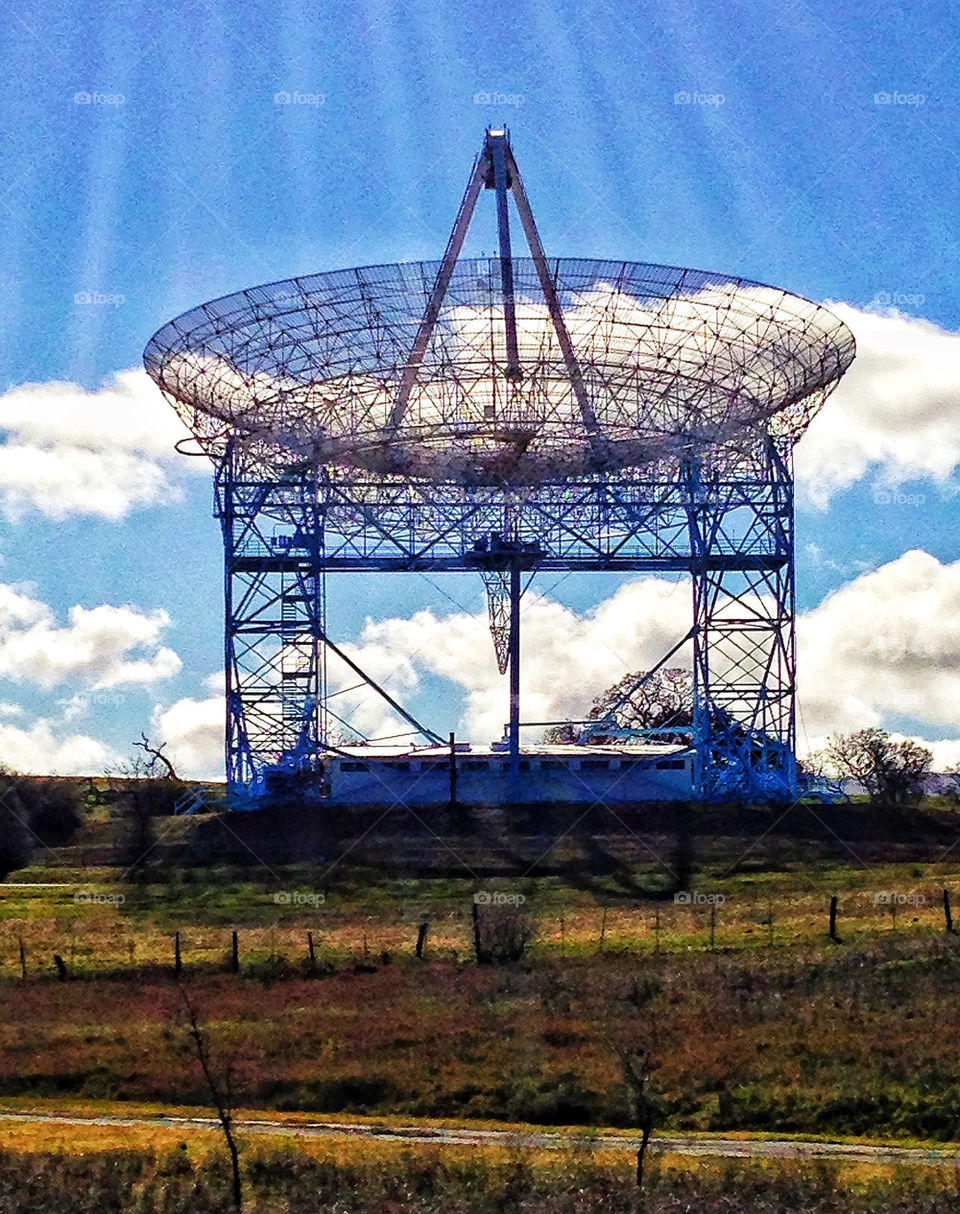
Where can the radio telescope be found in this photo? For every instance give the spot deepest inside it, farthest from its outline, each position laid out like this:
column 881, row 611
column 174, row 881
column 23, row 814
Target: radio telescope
column 506, row 415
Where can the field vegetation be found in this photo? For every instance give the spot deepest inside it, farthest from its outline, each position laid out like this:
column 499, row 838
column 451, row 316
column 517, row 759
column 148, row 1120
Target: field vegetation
column 426, row 1180
column 753, row 1019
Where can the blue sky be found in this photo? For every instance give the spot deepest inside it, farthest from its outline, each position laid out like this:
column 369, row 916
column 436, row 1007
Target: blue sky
column 818, row 151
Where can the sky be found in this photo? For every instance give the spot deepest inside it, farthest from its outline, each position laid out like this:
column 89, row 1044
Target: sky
column 146, row 165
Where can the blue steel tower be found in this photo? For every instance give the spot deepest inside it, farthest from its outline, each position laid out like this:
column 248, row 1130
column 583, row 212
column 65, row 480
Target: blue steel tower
column 510, row 416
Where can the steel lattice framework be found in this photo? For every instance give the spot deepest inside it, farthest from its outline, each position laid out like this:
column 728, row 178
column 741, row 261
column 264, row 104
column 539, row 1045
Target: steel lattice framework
column 505, row 415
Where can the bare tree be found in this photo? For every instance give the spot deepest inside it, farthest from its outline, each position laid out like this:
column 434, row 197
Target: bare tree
column 156, row 756
column 638, row 1067
column 657, row 701
column 220, row 1096
column 500, row 934
column 891, row 771
column 147, row 787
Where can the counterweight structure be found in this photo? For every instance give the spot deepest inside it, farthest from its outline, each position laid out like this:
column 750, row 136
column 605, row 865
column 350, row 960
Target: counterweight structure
column 506, row 416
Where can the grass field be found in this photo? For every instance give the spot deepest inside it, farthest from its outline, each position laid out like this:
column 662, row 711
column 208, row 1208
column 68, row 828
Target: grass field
column 298, row 1179
column 756, row 1021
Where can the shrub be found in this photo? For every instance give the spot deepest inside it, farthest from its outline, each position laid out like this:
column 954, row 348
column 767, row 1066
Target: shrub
column 32, row 811
column 500, row 934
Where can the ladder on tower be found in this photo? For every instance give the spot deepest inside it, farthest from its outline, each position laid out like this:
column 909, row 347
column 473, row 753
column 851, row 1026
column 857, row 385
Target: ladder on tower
column 297, row 662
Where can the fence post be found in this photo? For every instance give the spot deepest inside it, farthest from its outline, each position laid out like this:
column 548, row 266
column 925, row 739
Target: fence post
column 833, row 919
column 61, row 967
column 234, row 954
column 177, row 963
column 422, row 936
column 311, row 954
column 23, row 960
column 947, row 916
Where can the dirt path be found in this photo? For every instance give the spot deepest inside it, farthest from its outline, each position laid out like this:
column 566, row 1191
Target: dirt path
column 728, row 1148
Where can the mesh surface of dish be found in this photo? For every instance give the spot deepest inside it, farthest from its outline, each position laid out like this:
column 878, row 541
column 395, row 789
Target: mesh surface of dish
column 673, row 362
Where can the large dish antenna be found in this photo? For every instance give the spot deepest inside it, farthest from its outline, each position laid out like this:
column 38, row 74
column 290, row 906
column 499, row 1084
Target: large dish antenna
column 507, row 370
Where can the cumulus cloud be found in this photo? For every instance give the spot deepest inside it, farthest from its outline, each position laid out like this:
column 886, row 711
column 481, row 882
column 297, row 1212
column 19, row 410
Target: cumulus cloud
column 42, row 749
column 102, row 646
column 882, row 648
column 885, row 645
column 107, row 452
column 894, row 415
column 567, row 658
column 71, row 452
column 193, row 733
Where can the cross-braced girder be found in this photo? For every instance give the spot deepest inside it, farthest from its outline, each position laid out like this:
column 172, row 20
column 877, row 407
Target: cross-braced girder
column 744, row 651
column 732, row 534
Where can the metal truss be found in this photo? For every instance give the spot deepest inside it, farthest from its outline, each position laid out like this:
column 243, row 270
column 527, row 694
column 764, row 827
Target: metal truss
column 744, row 649
column 729, row 527
column 275, row 622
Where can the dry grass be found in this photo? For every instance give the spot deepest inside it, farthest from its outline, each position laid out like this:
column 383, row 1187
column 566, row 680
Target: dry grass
column 413, row 1180
column 773, row 1029
column 853, row 1039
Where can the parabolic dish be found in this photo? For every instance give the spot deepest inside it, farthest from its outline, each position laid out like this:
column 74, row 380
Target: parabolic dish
column 673, row 362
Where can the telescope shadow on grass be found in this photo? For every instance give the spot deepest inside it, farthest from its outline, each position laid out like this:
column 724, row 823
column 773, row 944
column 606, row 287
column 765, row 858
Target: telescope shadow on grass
column 583, row 850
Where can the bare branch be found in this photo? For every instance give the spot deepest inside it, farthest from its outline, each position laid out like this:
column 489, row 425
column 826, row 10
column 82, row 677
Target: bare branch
column 156, row 756
column 222, row 1098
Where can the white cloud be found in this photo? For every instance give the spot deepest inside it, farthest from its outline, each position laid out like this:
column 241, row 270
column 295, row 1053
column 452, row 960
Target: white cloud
column 42, row 749
column 946, row 753
column 885, row 645
column 895, row 412
column 107, row 452
column 881, row 648
column 566, row 659
column 71, row 452
column 193, row 733
column 103, row 646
